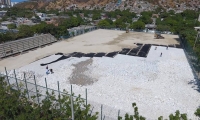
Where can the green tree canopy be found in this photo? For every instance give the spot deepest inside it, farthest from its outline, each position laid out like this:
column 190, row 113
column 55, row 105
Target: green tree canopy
column 137, row 25
column 11, row 26
column 146, row 19
column 103, row 23
column 96, row 16
column 25, row 31
column 16, row 105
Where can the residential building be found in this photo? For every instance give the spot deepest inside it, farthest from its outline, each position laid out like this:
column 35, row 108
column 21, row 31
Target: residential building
column 2, row 13
column 4, row 24
column 5, row 3
column 41, row 15
column 13, row 3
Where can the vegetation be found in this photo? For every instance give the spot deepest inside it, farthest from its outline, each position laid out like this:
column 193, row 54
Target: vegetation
column 43, row 27
column 12, row 26
column 15, row 105
column 139, row 25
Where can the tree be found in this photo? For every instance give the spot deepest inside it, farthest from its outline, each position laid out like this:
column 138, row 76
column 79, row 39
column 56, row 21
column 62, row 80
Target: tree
column 137, row 25
column 16, row 105
column 103, row 23
column 8, row 36
column 163, row 28
column 197, row 112
column 74, row 22
column 164, row 15
column 171, row 12
column 178, row 116
column 96, row 16
column 109, row 21
column 120, row 24
column 25, row 31
column 11, row 26
column 135, row 116
column 146, row 19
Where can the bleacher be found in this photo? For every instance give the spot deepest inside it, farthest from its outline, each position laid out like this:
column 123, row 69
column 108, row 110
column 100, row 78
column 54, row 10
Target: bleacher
column 18, row 46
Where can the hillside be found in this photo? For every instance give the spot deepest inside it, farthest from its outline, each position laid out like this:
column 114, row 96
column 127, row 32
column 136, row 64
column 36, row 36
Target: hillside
column 63, row 4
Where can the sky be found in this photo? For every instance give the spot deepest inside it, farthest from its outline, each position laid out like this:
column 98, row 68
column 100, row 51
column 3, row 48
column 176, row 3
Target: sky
column 17, row 0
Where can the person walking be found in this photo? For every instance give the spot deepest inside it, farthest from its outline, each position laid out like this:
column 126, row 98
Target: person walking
column 47, row 67
column 160, row 54
column 155, row 48
column 167, row 48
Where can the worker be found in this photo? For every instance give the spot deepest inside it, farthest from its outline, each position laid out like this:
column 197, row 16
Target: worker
column 47, row 67
column 51, row 70
column 47, row 72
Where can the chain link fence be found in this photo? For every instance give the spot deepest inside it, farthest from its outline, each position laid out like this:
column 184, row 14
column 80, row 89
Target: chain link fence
column 105, row 112
column 192, row 56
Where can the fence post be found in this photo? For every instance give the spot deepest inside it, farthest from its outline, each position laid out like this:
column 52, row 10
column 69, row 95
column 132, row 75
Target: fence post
column 118, row 114
column 46, row 84
column 101, row 112
column 59, row 93
column 4, row 50
column 7, row 76
column 71, row 90
column 36, row 89
column 86, row 100
column 72, row 106
column 16, row 80
column 86, row 96
column 26, row 84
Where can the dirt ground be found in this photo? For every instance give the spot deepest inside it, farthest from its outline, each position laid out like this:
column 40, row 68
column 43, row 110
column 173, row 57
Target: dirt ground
column 96, row 41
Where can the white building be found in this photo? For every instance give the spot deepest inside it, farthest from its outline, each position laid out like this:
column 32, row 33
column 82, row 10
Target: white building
column 41, row 15
column 13, row 3
column 2, row 13
column 4, row 25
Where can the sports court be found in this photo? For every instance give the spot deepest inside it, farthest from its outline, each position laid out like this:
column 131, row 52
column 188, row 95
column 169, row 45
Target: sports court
column 118, row 69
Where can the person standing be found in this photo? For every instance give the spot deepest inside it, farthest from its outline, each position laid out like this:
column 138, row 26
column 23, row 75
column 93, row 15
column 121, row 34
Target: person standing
column 167, row 48
column 47, row 72
column 51, row 70
column 160, row 54
column 47, row 67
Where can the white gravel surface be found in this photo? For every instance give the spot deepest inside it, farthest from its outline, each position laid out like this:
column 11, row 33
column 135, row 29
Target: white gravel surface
column 159, row 85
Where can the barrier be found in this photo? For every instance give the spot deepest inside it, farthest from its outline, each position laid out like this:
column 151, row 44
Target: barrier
column 18, row 46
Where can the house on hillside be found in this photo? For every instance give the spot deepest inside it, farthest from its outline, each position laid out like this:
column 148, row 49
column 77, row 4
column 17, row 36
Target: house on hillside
column 35, row 20
column 2, row 13
column 135, row 19
column 81, row 15
column 4, row 24
column 41, row 15
column 150, row 27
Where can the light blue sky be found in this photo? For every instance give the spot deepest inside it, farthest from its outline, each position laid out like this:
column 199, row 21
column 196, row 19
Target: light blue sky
column 17, row 0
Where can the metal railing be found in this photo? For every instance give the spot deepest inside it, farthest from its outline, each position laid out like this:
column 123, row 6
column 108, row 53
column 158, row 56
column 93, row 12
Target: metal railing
column 18, row 46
